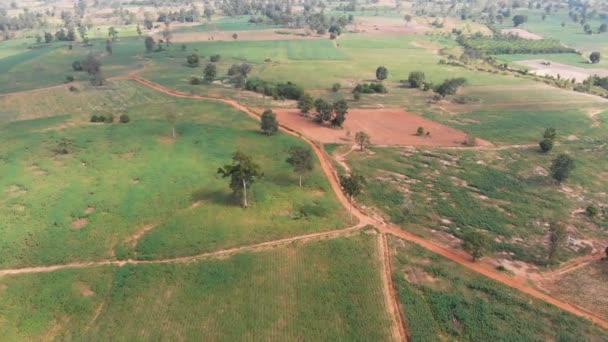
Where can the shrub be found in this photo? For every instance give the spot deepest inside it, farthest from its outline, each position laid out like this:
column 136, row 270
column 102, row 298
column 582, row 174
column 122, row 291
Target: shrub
column 124, row 118
column 109, row 118
column 77, row 66
column 69, row 78
column 420, row 131
column 416, row 79
column 98, row 118
column 335, row 87
column 194, row 80
column 193, row 60
column 356, row 96
column 592, row 211
column 546, row 145
column 214, row 58
column 73, row 88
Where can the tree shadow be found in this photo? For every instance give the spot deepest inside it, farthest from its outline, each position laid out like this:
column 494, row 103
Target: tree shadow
column 216, row 196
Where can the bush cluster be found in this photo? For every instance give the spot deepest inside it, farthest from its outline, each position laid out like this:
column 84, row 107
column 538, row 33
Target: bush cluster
column 370, row 88
column 278, row 91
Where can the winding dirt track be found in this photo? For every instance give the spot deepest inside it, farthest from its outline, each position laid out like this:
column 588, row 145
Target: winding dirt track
column 454, row 255
column 185, row 259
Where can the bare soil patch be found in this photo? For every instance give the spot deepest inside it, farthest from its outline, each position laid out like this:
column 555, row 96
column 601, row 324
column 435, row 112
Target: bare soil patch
column 387, row 126
column 132, row 240
column 522, row 33
column 84, row 289
column 15, row 190
column 81, row 222
column 89, row 210
column 541, row 68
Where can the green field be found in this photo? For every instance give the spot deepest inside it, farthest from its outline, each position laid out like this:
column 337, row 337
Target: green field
column 328, row 290
column 445, row 301
column 134, row 175
column 49, row 65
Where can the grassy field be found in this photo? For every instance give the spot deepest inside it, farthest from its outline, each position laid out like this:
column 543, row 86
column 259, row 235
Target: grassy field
column 445, row 301
column 49, row 65
column 121, row 178
column 443, row 193
column 328, row 290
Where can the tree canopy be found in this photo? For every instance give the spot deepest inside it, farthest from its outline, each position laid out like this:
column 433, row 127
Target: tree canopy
column 243, row 172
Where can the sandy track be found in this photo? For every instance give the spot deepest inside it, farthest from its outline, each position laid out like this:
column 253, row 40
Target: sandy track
column 455, row 255
column 390, row 293
column 185, row 259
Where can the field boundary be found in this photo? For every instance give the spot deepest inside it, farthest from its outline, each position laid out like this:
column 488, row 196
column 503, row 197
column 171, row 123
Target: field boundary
column 192, row 258
column 455, row 255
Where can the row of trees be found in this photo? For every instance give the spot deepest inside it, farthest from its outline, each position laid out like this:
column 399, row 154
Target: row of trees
column 325, row 112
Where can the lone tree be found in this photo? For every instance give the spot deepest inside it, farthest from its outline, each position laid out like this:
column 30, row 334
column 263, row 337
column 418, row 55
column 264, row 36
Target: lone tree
column 172, row 120
column 306, row 103
column 363, row 139
column 561, row 167
column 352, row 186
column 112, row 33
column 269, row 124
column 519, row 19
column 557, row 235
column 92, row 66
column 150, row 44
column 243, row 172
column 381, row 73
column 193, row 60
column 210, row 72
column 416, row 79
column 301, row 160
column 476, row 243
column 595, row 57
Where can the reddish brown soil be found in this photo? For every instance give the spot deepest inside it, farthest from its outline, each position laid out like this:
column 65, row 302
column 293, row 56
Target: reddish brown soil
column 388, row 126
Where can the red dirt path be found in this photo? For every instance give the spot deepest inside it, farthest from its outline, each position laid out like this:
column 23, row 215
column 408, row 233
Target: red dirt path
column 387, row 126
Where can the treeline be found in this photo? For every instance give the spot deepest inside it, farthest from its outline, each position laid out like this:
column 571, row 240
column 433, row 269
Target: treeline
column 511, row 44
column 25, row 20
column 278, row 91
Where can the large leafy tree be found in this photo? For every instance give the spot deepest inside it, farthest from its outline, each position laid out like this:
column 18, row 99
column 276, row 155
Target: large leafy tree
column 352, row 185
column 363, row 139
column 381, row 73
column 340, row 111
column 243, row 172
column 476, row 243
column 301, row 160
column 210, row 72
column 306, row 103
column 324, row 110
column 269, row 123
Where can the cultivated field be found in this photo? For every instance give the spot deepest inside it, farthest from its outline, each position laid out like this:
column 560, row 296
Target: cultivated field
column 126, row 229
column 317, row 290
column 440, row 298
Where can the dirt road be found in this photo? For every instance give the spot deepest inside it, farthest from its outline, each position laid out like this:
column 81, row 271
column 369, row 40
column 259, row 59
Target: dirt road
column 454, row 255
